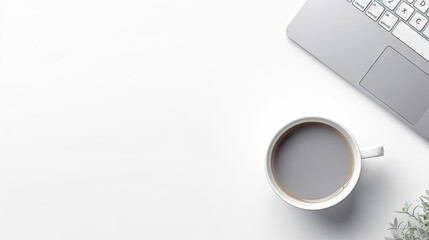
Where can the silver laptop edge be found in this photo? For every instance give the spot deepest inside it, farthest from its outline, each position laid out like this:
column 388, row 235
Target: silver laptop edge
column 365, row 52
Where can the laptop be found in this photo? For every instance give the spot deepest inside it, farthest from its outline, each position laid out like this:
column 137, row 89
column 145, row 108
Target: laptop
column 379, row 46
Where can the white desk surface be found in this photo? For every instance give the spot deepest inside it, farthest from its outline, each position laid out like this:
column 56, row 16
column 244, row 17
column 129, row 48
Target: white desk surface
column 151, row 119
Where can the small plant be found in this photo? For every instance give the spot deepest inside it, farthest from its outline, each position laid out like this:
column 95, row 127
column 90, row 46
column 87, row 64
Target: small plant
column 416, row 226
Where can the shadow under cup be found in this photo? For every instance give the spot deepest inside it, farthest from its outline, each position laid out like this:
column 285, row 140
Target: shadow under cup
column 313, row 163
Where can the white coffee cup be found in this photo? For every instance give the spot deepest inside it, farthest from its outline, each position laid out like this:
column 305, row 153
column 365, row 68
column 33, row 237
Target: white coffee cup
column 357, row 155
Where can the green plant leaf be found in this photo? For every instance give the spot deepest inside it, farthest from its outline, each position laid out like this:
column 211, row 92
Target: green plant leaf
column 416, row 224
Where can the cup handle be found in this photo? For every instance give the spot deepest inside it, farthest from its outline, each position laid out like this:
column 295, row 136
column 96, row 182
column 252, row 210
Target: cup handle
column 371, row 152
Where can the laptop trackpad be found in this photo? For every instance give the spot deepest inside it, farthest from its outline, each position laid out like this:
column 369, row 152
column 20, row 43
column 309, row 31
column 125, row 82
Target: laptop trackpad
column 400, row 84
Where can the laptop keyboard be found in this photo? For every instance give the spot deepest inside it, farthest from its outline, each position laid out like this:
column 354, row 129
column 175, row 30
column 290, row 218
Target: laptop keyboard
column 405, row 19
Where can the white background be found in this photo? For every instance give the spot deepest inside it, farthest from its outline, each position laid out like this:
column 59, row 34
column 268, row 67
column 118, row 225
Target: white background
column 151, row 119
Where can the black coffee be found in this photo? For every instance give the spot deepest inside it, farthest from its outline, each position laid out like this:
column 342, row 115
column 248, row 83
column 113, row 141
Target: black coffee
column 312, row 161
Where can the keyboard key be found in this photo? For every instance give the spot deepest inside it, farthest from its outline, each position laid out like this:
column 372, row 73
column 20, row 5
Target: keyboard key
column 361, row 4
column 375, row 11
column 426, row 32
column 391, row 4
column 422, row 5
column 412, row 39
column 388, row 20
column 418, row 21
column 404, row 11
